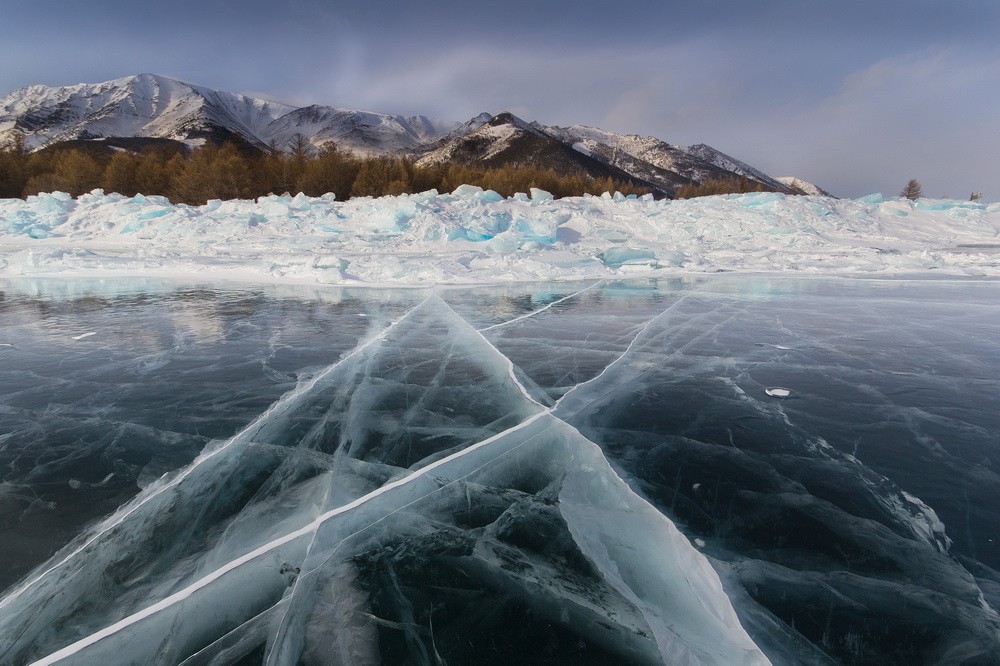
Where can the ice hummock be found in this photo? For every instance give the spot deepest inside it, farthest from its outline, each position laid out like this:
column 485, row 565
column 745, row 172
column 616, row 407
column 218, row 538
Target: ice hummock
column 477, row 236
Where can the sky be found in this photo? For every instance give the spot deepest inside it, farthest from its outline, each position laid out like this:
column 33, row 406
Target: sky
column 855, row 96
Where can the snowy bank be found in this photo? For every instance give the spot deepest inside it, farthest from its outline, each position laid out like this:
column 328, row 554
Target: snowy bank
column 475, row 236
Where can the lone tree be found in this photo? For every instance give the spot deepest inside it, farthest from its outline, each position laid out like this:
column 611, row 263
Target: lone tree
column 912, row 190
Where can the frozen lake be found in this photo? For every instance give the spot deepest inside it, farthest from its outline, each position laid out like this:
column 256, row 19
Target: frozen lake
column 480, row 475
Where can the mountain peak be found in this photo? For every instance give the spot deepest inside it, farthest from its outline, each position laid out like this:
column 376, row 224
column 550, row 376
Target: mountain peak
column 508, row 118
column 803, row 186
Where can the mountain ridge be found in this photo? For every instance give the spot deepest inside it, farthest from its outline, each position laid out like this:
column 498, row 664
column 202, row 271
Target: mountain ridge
column 157, row 107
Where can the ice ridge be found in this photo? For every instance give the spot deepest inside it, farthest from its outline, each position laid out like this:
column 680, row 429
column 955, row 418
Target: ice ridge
column 476, row 236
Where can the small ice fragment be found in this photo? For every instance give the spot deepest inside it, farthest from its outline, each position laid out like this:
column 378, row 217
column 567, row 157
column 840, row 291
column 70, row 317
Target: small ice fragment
column 538, row 194
column 74, row 484
column 777, row 392
column 699, row 542
column 5, row 344
column 466, row 190
column 105, row 479
column 695, row 486
column 84, row 335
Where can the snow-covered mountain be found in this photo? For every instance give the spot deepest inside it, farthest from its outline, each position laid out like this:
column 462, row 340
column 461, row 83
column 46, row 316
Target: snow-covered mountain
column 507, row 139
column 361, row 132
column 731, row 164
column 156, row 107
column 652, row 159
column 145, row 105
column 148, row 105
column 803, row 186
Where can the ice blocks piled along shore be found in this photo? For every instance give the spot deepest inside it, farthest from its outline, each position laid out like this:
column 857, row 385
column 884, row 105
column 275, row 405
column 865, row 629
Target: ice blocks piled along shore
column 474, row 236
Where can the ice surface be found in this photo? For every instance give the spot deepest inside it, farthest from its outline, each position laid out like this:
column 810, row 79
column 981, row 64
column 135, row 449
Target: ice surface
column 504, row 474
column 476, row 236
column 742, row 475
column 386, row 404
column 403, row 435
column 177, row 368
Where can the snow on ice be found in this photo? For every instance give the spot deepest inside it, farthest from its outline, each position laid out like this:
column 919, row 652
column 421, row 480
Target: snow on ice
column 476, row 236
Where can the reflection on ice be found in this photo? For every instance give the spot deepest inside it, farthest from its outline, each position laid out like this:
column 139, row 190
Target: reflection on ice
column 179, row 368
column 492, row 477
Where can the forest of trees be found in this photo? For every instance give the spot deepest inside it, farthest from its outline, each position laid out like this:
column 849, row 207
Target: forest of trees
column 720, row 186
column 231, row 171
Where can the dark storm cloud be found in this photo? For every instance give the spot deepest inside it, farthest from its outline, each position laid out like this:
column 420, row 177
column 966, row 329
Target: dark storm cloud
column 857, row 96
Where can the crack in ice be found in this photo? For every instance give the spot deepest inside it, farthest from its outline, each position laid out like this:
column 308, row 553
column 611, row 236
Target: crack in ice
column 183, row 594
column 541, row 309
column 245, row 434
column 625, row 353
column 313, row 528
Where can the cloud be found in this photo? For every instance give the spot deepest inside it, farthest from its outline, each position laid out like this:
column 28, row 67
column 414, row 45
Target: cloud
column 622, row 87
column 923, row 115
column 853, row 95
column 639, row 106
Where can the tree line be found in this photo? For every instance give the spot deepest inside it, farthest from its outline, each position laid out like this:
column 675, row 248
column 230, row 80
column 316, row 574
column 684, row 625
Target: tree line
column 233, row 171
column 723, row 186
